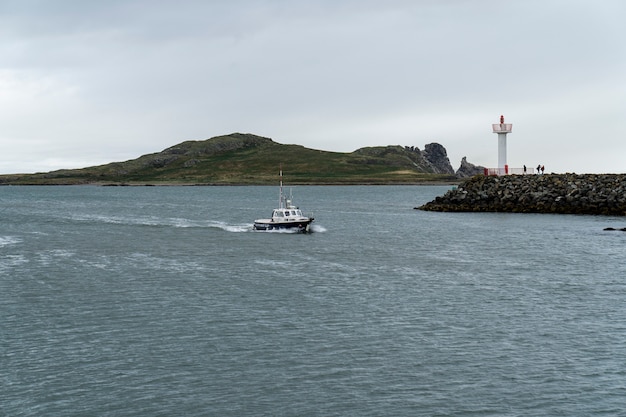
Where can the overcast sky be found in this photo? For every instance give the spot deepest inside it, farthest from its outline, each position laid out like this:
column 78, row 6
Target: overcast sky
column 90, row 82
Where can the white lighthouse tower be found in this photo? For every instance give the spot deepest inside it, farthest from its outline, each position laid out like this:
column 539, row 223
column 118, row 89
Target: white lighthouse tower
column 502, row 129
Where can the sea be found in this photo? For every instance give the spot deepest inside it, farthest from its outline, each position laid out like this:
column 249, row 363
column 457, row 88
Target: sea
column 163, row 301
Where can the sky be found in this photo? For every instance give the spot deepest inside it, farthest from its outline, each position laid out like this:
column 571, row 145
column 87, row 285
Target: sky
column 88, row 82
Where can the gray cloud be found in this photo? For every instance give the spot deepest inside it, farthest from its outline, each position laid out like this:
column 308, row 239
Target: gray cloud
column 92, row 82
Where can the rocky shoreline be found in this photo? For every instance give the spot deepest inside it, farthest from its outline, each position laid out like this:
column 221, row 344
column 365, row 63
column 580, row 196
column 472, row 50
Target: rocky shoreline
column 600, row 194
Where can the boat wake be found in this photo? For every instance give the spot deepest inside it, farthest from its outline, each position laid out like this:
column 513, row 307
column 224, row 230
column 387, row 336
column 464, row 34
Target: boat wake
column 316, row 228
column 233, row 228
column 176, row 222
column 8, row 240
column 153, row 221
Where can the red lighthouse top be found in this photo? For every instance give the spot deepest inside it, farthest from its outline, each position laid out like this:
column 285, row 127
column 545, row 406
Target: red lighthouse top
column 502, row 127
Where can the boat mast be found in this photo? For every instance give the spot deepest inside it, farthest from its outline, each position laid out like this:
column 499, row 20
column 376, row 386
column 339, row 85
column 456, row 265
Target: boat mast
column 280, row 195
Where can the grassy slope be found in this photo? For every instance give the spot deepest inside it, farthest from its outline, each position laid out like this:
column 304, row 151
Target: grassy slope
column 248, row 159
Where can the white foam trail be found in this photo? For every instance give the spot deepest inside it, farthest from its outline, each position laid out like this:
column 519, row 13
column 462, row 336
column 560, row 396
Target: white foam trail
column 180, row 222
column 142, row 221
column 317, row 228
column 9, row 240
column 235, row 228
column 184, row 223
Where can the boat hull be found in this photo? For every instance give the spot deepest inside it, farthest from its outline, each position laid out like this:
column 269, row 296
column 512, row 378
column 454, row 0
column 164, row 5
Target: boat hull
column 301, row 226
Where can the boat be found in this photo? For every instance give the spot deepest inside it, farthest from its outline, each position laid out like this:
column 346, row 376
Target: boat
column 286, row 217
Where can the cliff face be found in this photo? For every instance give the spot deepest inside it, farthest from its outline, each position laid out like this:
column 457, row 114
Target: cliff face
column 437, row 157
column 554, row 193
column 433, row 159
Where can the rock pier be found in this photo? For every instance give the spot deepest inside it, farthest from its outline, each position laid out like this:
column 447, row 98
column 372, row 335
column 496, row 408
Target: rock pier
column 603, row 194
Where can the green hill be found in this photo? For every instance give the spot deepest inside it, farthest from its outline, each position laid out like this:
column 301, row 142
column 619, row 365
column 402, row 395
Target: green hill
column 248, row 159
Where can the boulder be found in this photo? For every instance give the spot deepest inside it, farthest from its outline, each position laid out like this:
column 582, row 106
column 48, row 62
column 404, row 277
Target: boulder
column 603, row 194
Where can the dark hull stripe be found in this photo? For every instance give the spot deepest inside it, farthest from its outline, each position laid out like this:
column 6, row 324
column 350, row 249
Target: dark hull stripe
column 290, row 225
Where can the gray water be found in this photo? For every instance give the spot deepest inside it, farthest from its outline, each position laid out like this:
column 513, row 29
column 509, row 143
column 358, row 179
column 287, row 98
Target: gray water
column 162, row 301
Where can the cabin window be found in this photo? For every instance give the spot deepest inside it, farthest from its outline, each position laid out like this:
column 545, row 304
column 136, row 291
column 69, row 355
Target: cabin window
column 279, row 214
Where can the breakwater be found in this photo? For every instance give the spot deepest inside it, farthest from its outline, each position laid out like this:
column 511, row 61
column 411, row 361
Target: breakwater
column 603, row 194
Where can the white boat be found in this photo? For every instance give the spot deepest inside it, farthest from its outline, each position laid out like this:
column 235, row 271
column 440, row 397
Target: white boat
column 286, row 216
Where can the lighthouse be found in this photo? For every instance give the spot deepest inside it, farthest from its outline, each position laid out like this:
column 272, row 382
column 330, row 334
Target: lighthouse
column 502, row 129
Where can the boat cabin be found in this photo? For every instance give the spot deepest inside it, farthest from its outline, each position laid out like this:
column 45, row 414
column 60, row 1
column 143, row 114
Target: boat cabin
column 287, row 213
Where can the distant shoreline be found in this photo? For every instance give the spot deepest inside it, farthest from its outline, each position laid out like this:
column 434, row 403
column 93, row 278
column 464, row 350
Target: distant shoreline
column 247, row 159
column 180, row 184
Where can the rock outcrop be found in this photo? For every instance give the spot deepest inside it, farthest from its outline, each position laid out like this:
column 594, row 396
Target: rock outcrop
column 468, row 170
column 436, row 155
column 603, row 194
column 433, row 159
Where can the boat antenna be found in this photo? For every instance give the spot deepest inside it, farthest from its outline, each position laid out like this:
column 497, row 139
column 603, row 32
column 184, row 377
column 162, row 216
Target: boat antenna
column 280, row 196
